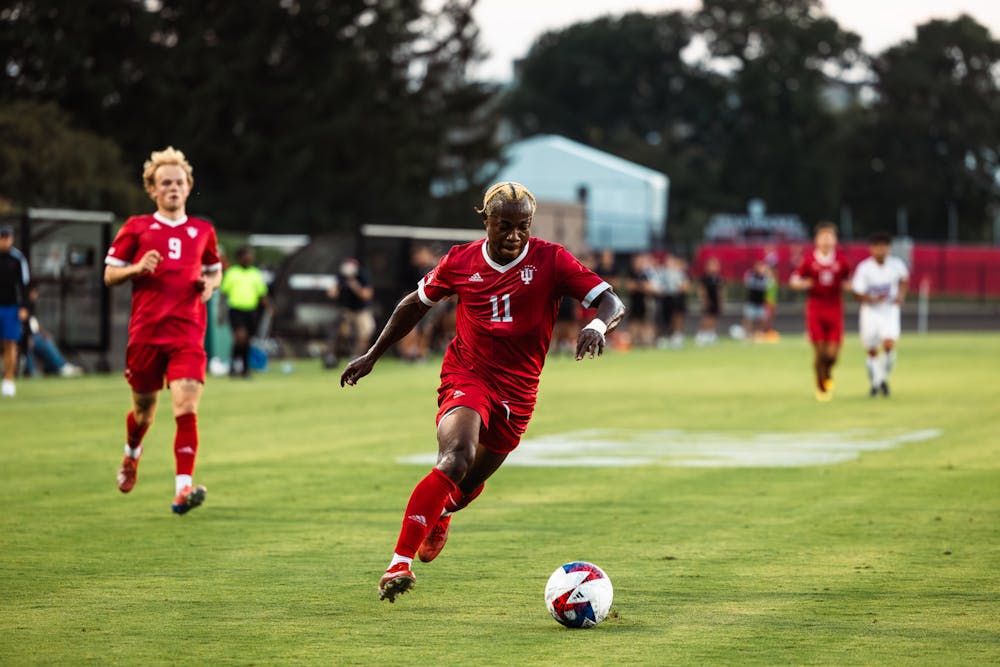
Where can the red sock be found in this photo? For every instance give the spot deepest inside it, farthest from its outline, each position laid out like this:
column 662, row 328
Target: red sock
column 134, row 432
column 423, row 510
column 186, row 443
column 458, row 500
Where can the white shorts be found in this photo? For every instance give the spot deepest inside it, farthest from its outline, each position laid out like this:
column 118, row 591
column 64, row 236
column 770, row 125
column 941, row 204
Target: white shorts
column 878, row 324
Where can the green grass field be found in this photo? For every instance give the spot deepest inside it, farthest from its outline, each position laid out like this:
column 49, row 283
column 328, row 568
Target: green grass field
column 892, row 557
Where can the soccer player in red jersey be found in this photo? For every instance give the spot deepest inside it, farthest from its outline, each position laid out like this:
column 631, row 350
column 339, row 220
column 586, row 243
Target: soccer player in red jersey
column 509, row 286
column 824, row 274
column 172, row 261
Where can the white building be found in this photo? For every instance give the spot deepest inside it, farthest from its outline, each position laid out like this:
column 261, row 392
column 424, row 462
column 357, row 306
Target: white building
column 626, row 203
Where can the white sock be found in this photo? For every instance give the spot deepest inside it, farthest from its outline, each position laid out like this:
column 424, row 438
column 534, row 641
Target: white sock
column 872, row 364
column 181, row 481
column 890, row 361
column 396, row 558
column 133, row 453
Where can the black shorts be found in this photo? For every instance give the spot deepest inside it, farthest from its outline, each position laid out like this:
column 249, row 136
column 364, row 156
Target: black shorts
column 243, row 319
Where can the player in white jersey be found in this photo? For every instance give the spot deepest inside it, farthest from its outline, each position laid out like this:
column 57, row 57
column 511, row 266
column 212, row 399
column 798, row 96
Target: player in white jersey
column 880, row 284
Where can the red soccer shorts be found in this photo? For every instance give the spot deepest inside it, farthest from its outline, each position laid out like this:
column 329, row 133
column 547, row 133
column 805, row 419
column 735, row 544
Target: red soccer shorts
column 504, row 421
column 146, row 365
column 824, row 324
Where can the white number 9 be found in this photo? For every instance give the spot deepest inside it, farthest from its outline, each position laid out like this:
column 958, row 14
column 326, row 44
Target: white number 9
column 174, row 245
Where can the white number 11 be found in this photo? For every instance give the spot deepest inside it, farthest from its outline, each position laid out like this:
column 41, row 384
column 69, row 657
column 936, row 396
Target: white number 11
column 496, row 310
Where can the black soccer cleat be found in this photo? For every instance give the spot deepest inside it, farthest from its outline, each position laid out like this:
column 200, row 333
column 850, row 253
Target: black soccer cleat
column 884, row 388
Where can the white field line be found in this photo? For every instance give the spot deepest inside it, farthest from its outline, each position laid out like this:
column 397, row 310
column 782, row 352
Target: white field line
column 606, row 448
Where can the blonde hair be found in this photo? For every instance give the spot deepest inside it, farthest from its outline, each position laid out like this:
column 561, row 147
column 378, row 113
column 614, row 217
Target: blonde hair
column 502, row 193
column 157, row 159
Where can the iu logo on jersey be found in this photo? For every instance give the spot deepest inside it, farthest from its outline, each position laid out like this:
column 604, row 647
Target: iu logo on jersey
column 192, row 232
column 527, row 274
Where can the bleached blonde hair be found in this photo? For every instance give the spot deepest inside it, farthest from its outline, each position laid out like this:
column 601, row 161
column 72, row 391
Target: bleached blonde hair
column 501, row 193
column 157, row 159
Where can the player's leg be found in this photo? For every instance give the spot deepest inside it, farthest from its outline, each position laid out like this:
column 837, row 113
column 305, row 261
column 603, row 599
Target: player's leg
column 868, row 333
column 890, row 334
column 9, row 367
column 819, row 366
column 888, row 362
column 186, row 381
column 873, row 366
column 185, row 394
column 484, row 464
column 458, row 435
column 239, row 354
column 144, row 369
column 831, row 352
column 137, row 422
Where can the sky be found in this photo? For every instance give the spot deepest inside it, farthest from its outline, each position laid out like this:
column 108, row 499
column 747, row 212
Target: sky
column 508, row 27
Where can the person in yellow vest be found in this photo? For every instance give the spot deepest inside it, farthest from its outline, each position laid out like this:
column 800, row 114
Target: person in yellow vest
column 246, row 292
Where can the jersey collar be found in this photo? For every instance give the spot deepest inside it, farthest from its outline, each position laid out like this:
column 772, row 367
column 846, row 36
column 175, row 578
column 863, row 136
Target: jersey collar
column 170, row 223
column 825, row 259
column 503, row 268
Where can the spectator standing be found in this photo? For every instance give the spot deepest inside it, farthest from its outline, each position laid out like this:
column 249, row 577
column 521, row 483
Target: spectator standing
column 14, row 279
column 673, row 289
column 710, row 289
column 355, row 323
column 246, row 293
column 641, row 285
column 755, row 284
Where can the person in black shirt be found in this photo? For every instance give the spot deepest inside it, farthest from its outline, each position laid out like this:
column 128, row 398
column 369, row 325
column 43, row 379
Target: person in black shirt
column 355, row 323
column 14, row 278
column 710, row 290
column 756, row 282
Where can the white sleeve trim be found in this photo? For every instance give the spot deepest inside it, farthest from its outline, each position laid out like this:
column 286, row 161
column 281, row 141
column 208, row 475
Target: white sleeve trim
column 423, row 295
column 594, row 293
column 114, row 261
column 211, row 268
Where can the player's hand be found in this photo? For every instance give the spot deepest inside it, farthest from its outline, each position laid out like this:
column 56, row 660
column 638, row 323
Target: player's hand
column 589, row 342
column 357, row 369
column 149, row 262
column 204, row 291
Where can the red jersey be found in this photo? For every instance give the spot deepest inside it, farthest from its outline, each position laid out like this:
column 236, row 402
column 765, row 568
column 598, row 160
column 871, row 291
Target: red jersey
column 505, row 313
column 166, row 304
column 828, row 275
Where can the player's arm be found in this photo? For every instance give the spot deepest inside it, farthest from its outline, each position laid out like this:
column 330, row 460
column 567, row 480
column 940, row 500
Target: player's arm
column 210, row 279
column 610, row 311
column 118, row 274
column 799, row 282
column 904, row 286
column 404, row 317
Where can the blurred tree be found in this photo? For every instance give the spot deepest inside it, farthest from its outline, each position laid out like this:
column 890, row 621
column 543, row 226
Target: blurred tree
column 783, row 141
column 44, row 161
column 304, row 116
column 931, row 141
column 620, row 84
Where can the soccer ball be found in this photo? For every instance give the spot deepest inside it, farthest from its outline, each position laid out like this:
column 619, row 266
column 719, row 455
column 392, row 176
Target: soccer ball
column 579, row 595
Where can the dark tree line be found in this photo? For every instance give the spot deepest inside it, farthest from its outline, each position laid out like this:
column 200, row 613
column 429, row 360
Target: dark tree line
column 297, row 115
column 783, row 106
column 313, row 115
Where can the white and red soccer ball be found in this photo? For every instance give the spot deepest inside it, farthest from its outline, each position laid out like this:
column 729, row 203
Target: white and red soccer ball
column 579, row 594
